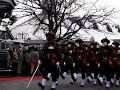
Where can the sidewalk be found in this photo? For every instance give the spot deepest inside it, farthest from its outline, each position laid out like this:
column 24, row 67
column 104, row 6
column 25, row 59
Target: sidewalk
column 18, row 78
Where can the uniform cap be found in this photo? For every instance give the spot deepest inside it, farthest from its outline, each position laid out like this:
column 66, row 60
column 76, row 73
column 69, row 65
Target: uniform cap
column 94, row 43
column 105, row 40
column 116, row 43
column 79, row 40
column 71, row 42
column 50, row 33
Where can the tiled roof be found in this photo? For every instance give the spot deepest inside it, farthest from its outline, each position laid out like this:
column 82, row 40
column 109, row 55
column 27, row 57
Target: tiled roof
column 35, row 41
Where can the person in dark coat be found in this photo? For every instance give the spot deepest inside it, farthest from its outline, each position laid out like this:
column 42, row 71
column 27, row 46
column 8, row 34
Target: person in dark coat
column 14, row 58
column 69, row 63
column 116, row 63
column 106, row 62
column 93, row 63
column 50, row 61
column 81, row 64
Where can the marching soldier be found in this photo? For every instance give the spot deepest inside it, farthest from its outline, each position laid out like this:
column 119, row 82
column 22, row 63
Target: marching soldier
column 14, row 57
column 116, row 63
column 81, row 60
column 20, row 60
column 50, row 61
column 87, row 60
column 93, row 63
column 69, row 63
column 63, row 64
column 106, row 62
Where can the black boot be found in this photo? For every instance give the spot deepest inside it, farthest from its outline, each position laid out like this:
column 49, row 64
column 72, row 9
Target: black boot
column 116, row 85
column 52, row 89
column 99, row 82
column 40, row 85
column 62, row 76
column 107, row 87
column 57, row 83
column 111, row 83
column 73, row 78
column 47, row 78
column 71, row 82
column 88, row 80
column 81, row 85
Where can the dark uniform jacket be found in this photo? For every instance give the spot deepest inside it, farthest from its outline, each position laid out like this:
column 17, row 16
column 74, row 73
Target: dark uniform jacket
column 50, row 54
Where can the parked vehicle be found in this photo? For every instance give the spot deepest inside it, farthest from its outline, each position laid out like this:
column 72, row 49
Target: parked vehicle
column 5, row 68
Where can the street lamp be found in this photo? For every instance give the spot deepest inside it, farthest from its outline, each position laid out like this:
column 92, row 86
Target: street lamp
column 22, row 35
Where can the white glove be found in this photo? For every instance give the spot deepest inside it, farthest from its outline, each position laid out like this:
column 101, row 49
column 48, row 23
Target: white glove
column 98, row 64
column 88, row 64
column 73, row 64
column 118, row 51
column 57, row 64
column 39, row 62
column 77, row 45
column 64, row 63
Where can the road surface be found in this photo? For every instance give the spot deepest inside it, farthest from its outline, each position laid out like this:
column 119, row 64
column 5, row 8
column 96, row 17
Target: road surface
column 63, row 85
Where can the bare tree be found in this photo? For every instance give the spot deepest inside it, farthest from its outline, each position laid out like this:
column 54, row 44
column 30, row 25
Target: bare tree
column 58, row 14
column 118, row 27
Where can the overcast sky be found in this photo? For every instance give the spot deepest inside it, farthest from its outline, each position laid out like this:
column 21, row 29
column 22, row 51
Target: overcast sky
column 112, row 3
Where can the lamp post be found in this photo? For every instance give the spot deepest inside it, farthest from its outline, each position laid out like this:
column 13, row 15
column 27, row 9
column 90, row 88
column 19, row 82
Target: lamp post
column 22, row 35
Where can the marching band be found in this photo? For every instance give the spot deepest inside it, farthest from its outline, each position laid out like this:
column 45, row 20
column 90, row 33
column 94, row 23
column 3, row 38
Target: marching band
column 96, row 63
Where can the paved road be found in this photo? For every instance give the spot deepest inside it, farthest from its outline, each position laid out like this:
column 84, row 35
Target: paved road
column 63, row 85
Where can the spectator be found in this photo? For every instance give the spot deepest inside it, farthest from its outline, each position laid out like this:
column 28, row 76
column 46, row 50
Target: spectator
column 14, row 61
column 34, row 58
column 27, row 60
column 20, row 60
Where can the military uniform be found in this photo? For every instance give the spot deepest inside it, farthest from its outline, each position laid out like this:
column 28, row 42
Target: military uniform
column 81, row 63
column 106, row 62
column 69, row 63
column 63, row 71
column 116, row 62
column 50, row 62
column 93, row 63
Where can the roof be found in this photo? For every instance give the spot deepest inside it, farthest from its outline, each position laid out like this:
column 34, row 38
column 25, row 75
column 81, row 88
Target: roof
column 35, row 41
column 5, row 33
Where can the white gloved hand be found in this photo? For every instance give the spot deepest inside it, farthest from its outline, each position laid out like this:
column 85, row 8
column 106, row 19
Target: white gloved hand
column 57, row 64
column 64, row 63
column 88, row 64
column 98, row 64
column 77, row 45
column 39, row 62
column 118, row 51
column 73, row 64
